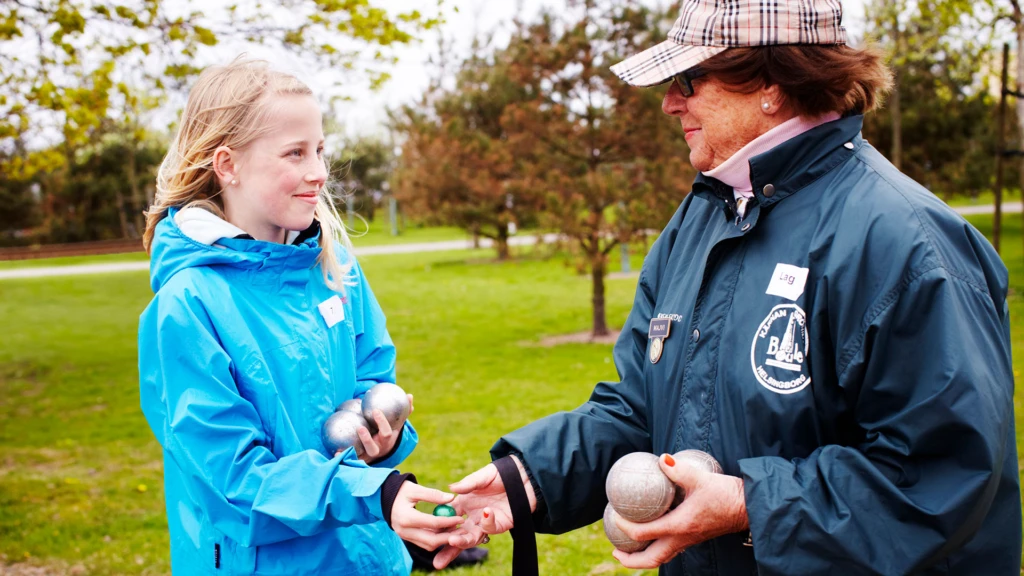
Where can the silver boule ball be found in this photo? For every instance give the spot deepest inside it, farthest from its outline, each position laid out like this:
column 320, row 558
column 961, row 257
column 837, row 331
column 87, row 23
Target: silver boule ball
column 638, row 489
column 616, row 536
column 389, row 399
column 340, row 431
column 698, row 459
column 353, row 405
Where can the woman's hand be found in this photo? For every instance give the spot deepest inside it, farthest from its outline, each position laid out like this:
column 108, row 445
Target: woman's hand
column 483, row 499
column 714, row 506
column 424, row 530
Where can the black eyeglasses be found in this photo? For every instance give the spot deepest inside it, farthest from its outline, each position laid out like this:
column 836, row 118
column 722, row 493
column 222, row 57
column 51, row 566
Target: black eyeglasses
column 685, row 80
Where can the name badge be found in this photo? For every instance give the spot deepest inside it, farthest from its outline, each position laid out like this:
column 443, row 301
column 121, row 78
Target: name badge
column 657, row 333
column 787, row 281
column 333, row 310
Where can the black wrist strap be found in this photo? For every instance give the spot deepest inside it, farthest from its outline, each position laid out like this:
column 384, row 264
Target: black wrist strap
column 524, row 547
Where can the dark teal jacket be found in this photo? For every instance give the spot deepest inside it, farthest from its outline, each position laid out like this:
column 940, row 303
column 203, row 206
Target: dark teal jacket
column 868, row 408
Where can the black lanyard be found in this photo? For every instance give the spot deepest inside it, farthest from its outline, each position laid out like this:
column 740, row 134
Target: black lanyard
column 524, row 547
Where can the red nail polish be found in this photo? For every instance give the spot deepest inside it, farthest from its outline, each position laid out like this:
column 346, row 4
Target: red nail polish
column 486, row 515
column 669, row 460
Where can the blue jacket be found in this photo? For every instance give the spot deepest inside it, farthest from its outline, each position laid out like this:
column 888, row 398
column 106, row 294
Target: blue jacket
column 238, row 371
column 844, row 349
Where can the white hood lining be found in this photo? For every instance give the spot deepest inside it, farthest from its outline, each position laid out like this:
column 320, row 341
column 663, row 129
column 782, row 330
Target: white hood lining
column 207, row 228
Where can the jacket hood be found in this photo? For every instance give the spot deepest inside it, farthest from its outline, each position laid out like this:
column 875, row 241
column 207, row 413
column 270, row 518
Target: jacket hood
column 193, row 237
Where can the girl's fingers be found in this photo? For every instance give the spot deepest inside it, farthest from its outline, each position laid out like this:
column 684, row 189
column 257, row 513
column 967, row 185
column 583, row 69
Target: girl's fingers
column 383, row 426
column 424, row 538
column 411, row 405
column 369, row 446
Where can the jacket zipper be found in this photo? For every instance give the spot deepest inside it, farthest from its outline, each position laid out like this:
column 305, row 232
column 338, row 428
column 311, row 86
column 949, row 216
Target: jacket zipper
column 216, row 556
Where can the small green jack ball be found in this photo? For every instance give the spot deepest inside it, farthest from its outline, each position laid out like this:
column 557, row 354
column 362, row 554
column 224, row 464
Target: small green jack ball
column 444, row 510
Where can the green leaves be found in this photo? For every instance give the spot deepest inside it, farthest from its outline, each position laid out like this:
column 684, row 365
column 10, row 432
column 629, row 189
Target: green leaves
column 66, row 83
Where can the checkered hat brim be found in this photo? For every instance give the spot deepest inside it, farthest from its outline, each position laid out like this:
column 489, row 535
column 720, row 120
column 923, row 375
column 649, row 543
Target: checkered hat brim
column 708, row 27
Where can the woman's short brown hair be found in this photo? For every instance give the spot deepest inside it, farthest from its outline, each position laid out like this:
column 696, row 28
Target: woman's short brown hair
column 815, row 79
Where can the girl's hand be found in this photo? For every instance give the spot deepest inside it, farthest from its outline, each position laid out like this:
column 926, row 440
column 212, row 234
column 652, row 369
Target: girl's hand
column 379, row 445
column 424, row 530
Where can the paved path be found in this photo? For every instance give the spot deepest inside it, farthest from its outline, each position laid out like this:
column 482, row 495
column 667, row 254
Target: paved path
column 360, row 251
column 1008, row 207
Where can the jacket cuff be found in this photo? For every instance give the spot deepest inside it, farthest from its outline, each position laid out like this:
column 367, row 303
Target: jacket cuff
column 542, row 509
column 389, row 491
column 403, row 448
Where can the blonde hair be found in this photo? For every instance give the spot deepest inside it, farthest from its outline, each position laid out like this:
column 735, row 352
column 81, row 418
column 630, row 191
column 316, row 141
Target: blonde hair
column 228, row 107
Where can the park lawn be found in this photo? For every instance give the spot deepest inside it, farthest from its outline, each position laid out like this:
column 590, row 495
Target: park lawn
column 80, row 473
column 983, row 198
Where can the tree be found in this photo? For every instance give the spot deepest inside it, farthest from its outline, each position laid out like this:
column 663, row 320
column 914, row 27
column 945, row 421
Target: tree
column 938, row 129
column 70, row 66
column 925, row 36
column 363, row 168
column 457, row 166
column 611, row 165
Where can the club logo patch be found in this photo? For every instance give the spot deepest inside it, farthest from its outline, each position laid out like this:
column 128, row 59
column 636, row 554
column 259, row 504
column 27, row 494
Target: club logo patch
column 778, row 354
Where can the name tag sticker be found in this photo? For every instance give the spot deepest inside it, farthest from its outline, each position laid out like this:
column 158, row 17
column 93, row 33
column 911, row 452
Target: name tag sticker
column 787, row 281
column 333, row 310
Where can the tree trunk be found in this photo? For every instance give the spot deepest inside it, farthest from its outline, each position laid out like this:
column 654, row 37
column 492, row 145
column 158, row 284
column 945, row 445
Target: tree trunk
column 896, row 115
column 133, row 181
column 895, row 112
column 1019, row 22
column 598, row 264
column 501, row 242
column 122, row 216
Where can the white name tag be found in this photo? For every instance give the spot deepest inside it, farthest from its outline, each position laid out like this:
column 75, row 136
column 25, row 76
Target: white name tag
column 788, row 281
column 332, row 310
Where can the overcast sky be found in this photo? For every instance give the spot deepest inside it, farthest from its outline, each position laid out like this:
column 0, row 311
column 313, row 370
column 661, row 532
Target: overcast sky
column 366, row 113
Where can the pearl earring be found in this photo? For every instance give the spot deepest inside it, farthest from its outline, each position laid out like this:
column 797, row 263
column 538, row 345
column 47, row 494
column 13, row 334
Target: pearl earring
column 234, row 182
column 765, row 105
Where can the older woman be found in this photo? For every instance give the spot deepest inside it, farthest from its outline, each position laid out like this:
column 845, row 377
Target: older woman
column 834, row 335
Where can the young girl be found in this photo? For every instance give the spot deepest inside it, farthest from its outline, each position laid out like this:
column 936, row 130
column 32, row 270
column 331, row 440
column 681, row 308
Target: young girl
column 261, row 325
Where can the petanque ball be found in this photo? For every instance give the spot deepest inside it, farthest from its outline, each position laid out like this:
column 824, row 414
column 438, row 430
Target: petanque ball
column 616, row 536
column 697, row 459
column 353, row 405
column 389, row 399
column 340, row 431
column 638, row 489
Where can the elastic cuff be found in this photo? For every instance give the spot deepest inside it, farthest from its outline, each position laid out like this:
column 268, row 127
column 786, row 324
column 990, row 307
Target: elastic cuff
column 389, row 491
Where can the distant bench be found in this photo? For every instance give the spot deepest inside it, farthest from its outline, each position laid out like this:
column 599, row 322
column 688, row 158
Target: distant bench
column 75, row 249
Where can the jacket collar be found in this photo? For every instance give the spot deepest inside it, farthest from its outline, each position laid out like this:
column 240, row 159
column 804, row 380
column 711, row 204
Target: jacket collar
column 791, row 166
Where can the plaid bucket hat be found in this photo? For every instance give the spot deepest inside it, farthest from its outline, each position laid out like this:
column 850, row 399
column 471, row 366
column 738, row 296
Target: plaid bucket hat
column 707, row 27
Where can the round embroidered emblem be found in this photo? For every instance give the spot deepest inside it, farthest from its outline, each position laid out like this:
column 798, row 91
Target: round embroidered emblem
column 779, row 352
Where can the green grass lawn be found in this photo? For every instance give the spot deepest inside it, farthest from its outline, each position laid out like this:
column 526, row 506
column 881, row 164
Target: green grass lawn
column 80, row 473
column 984, row 198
